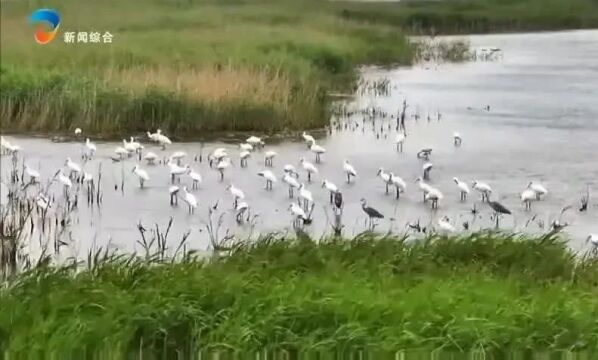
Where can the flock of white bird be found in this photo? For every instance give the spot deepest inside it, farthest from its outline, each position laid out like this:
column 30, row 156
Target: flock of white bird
column 220, row 160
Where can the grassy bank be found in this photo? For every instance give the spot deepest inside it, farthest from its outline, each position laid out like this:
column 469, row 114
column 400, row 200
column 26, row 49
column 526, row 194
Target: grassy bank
column 197, row 66
column 485, row 292
column 189, row 67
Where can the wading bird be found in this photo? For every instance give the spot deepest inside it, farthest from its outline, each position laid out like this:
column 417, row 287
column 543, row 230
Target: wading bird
column 445, row 225
column 457, row 140
column 305, row 197
column 499, row 209
column 527, row 196
column 386, row 178
column 349, row 171
column 484, row 189
column 370, row 212
column 173, row 191
column 290, row 169
column 332, row 189
column 299, row 216
column 223, row 165
column 309, row 168
column 309, row 140
column 176, row 171
column 190, row 200
column 243, row 156
column 269, row 176
column 434, row 195
column 241, row 209
column 255, row 141
column 268, row 156
column 33, row 174
column 538, row 189
column 150, row 158
column 424, row 187
column 195, row 177
column 292, row 182
column 90, row 148
column 399, row 140
column 318, row 150
column 463, row 188
column 73, row 167
column 427, row 167
column 141, row 174
column 236, row 193
column 399, row 183
column 424, row 154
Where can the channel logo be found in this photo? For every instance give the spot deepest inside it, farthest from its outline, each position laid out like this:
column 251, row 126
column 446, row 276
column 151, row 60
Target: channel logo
column 49, row 17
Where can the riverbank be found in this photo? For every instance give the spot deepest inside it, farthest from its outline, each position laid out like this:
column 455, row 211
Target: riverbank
column 484, row 291
column 269, row 69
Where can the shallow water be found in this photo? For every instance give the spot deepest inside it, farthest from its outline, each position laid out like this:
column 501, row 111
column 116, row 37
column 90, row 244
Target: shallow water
column 542, row 126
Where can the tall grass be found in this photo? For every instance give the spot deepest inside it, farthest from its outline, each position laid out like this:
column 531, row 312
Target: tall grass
column 190, row 67
column 484, row 292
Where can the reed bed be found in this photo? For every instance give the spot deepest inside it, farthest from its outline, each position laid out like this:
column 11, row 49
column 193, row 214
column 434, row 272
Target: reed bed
column 484, row 293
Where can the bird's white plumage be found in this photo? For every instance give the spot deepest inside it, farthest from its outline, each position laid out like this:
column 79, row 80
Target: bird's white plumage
column 461, row 185
column 349, row 169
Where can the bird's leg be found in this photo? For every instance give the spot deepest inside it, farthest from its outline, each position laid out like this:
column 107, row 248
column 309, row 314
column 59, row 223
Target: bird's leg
column 221, row 175
column 172, row 178
column 398, row 192
column 386, row 188
column 331, row 197
column 348, row 178
column 309, row 176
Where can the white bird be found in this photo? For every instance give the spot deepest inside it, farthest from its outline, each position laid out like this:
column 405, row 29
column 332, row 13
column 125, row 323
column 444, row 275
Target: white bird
column 290, row 169
column 399, row 183
column 527, row 196
column 424, row 187
column 87, row 178
column 255, row 141
column 217, row 155
column 120, row 151
column 150, row 157
column 236, row 193
column 483, row 189
column 386, row 178
column 318, row 150
column 246, row 147
column 538, row 189
column 33, row 174
column 399, row 140
column 195, row 177
column 223, row 165
column 190, row 200
column 178, row 156
column 593, row 240
column 73, row 166
column 269, row 176
column 434, row 195
column 305, row 196
column 42, row 202
column 243, row 156
column 130, row 148
column 457, row 139
column 152, row 137
column 268, row 156
column 91, row 147
column 463, row 188
column 64, row 180
column 331, row 188
column 445, row 225
column 176, row 171
column 308, row 139
column 427, row 167
column 77, row 131
column 349, row 170
column 309, row 168
column 163, row 140
column 4, row 145
column 298, row 213
column 141, row 174
column 291, row 181
column 241, row 209
column 173, row 191
column 134, row 144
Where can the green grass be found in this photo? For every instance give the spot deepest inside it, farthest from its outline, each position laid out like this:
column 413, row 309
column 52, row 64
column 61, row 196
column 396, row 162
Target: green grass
column 199, row 66
column 486, row 292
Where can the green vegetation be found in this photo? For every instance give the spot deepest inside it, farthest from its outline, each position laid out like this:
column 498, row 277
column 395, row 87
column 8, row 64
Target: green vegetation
column 197, row 66
column 486, row 292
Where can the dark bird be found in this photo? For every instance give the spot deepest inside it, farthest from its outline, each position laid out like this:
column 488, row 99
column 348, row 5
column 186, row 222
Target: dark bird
column 338, row 200
column 498, row 209
column 371, row 212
